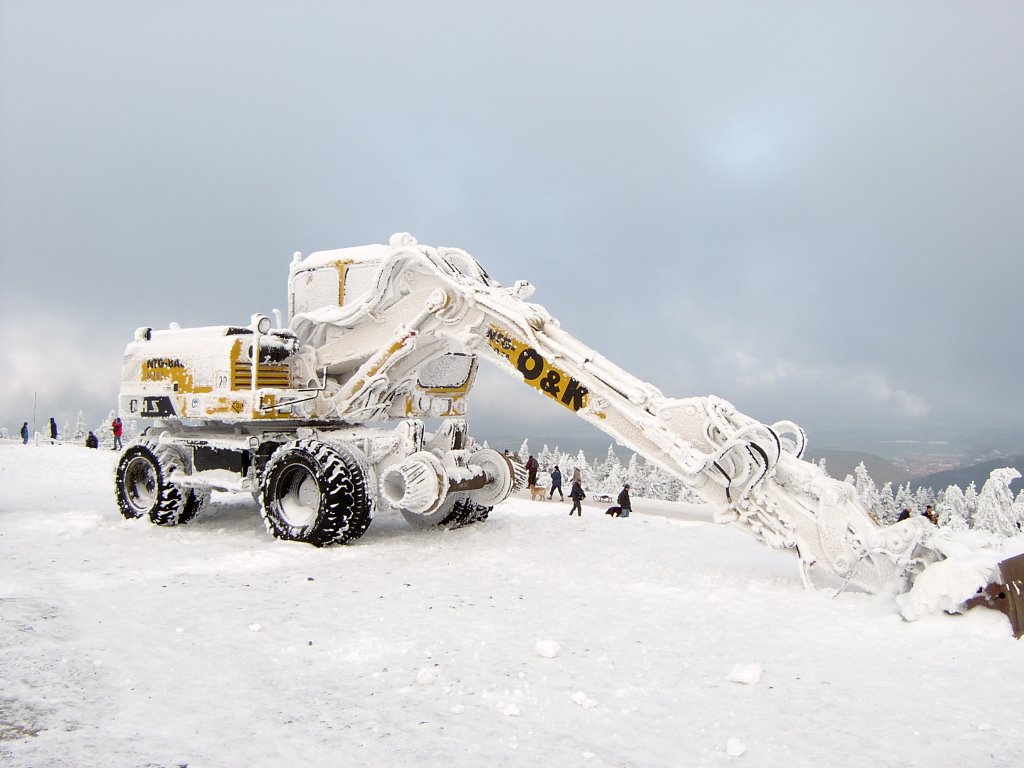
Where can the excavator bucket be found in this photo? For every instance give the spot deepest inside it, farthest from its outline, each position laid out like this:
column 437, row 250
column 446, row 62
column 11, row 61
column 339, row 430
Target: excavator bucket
column 1007, row 596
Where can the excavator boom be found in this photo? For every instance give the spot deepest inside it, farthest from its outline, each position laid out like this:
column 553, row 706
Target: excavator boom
column 428, row 302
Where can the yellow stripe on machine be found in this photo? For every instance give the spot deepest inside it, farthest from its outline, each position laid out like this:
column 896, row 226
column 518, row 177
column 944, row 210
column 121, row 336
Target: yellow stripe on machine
column 538, row 372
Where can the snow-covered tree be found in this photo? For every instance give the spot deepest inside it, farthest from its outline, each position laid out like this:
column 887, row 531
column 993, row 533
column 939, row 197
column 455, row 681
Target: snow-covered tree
column 524, row 451
column 995, row 502
column 661, row 484
column 103, row 432
column 586, row 473
column 952, row 509
column 547, row 458
column 887, row 505
column 688, row 496
column 971, row 502
column 80, row 430
column 1017, row 512
column 614, row 477
column 905, row 499
column 866, row 489
column 923, row 497
column 632, row 473
column 822, row 465
column 610, row 466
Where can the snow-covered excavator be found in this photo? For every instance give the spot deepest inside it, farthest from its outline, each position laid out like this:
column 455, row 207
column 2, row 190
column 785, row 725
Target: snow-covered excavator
column 322, row 419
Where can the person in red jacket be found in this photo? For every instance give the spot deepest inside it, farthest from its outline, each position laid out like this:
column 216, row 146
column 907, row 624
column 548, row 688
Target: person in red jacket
column 116, row 427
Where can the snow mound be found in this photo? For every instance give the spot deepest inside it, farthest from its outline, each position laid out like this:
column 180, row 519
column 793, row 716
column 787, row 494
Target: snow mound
column 583, row 700
column 548, row 648
column 945, row 585
column 748, row 674
column 734, row 747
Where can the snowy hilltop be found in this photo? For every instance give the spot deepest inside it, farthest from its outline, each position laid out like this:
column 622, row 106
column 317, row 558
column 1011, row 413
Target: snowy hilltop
column 661, row 640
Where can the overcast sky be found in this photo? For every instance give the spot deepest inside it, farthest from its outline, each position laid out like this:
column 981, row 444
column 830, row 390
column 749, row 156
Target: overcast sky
column 814, row 210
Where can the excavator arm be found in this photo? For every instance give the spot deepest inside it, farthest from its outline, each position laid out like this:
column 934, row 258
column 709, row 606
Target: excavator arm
column 407, row 344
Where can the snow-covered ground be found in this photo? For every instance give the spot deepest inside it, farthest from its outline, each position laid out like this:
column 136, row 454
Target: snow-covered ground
column 530, row 640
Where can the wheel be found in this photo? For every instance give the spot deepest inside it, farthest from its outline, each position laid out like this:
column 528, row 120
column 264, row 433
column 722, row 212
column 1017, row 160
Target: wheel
column 195, row 502
column 317, row 493
column 466, row 512
column 456, row 511
column 144, row 485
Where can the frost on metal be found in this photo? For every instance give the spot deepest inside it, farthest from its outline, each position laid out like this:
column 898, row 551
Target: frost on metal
column 383, row 340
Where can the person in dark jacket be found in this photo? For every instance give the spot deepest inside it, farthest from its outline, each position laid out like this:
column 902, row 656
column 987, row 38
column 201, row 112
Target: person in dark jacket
column 24, row 433
column 531, row 467
column 556, row 484
column 903, row 516
column 53, row 429
column 623, row 501
column 92, row 441
column 577, row 495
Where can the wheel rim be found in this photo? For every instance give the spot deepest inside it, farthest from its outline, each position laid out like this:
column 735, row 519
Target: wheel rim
column 141, row 485
column 299, row 497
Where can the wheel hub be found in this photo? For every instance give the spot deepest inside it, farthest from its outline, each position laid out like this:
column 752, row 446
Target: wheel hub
column 141, row 485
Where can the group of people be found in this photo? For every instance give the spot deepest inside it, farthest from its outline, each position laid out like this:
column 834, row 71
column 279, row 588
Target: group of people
column 576, row 493
column 116, row 428
column 25, row 430
column 929, row 512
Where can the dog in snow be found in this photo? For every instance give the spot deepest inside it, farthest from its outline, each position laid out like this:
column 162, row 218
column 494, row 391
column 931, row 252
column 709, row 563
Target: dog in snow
column 614, row 511
column 537, row 493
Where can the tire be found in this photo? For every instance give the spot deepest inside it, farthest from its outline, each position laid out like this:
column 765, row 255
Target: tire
column 195, row 502
column 144, row 483
column 457, row 511
column 317, row 493
column 465, row 512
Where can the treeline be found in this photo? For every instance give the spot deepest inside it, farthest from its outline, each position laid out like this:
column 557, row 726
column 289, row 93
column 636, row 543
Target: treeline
column 80, row 430
column 607, row 476
column 994, row 509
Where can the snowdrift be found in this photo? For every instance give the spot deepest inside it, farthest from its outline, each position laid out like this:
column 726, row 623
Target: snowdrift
column 531, row 639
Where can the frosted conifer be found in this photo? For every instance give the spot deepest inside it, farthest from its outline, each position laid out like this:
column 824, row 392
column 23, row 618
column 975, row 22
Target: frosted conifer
column 995, row 502
column 971, row 503
column 524, row 452
column 952, row 509
column 866, row 489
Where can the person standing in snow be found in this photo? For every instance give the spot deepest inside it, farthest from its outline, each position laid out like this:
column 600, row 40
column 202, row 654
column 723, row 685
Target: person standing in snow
column 576, row 478
column 53, row 429
column 623, row 501
column 117, row 428
column 556, row 484
column 531, row 467
column 92, row 441
column 24, row 433
column 577, row 495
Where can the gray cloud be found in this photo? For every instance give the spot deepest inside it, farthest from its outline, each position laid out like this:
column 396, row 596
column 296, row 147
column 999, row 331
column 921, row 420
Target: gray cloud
column 813, row 211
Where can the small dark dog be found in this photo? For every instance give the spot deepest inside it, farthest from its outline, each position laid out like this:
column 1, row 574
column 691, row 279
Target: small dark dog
column 614, row 511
